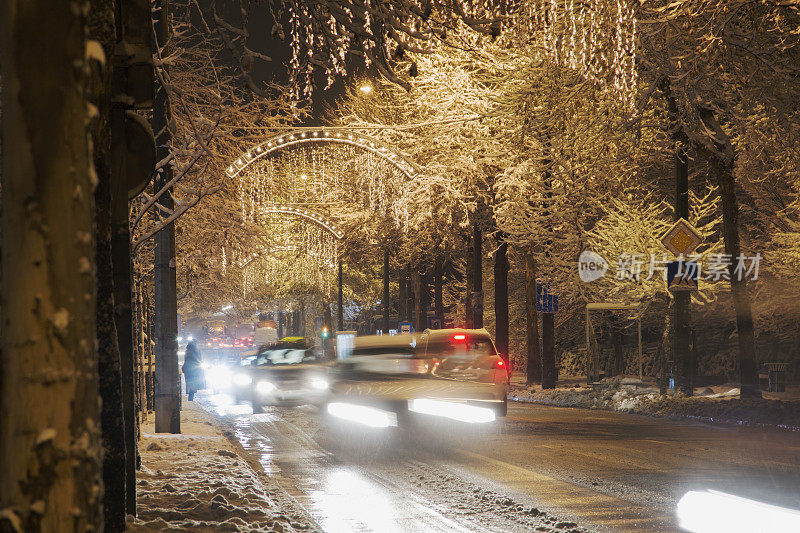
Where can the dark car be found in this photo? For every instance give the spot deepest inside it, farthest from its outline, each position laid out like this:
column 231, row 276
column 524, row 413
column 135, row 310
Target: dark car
column 281, row 374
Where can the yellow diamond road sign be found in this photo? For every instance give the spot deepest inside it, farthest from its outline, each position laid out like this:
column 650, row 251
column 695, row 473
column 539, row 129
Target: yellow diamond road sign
column 681, row 238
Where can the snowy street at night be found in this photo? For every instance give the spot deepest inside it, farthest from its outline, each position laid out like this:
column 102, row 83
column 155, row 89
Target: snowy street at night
column 541, row 468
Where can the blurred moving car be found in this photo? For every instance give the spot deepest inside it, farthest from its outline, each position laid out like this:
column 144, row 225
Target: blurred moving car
column 265, row 334
column 285, row 373
column 451, row 373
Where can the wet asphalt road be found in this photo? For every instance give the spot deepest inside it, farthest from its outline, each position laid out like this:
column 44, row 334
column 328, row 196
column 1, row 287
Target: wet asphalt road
column 541, row 467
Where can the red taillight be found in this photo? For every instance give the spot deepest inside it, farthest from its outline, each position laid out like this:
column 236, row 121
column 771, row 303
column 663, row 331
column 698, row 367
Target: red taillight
column 499, row 364
column 459, row 337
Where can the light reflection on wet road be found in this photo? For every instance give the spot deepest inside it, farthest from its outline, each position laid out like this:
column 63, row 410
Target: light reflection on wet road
column 341, row 497
column 605, row 471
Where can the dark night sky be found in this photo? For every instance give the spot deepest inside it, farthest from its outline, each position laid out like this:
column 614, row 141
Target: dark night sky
column 260, row 27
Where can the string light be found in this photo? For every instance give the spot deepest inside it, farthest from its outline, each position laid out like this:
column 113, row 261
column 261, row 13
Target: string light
column 596, row 39
column 325, row 167
column 295, row 255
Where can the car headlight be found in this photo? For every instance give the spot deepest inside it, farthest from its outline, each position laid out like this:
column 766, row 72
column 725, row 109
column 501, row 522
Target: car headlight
column 264, row 387
column 453, row 410
column 220, row 376
column 242, row 380
column 204, row 365
column 318, row 384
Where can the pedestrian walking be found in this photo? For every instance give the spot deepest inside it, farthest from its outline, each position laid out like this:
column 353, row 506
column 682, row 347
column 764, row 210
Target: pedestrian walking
column 192, row 369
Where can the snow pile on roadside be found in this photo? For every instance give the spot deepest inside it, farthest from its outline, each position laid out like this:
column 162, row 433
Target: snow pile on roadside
column 612, row 394
column 197, row 482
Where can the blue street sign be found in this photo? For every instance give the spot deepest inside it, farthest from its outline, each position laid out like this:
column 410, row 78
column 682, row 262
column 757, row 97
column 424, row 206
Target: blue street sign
column 682, row 275
column 545, row 302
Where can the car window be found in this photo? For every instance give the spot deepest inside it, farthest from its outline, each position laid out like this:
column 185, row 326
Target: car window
column 394, row 351
column 455, row 347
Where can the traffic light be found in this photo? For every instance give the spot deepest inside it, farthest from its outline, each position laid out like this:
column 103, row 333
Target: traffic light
column 325, row 332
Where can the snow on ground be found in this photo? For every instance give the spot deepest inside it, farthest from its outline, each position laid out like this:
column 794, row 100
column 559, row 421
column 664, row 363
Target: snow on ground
column 197, row 482
column 718, row 404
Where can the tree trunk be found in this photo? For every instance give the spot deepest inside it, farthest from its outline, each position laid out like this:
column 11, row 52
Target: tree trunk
column 619, row 351
column 469, row 279
column 49, row 410
column 115, row 432
column 151, row 360
column 386, row 303
column 402, row 297
column 168, row 377
column 111, row 417
column 409, row 296
column 748, row 373
column 549, row 372
column 534, row 360
column 477, row 272
column 420, row 317
column 301, row 319
column 112, row 420
column 548, row 320
column 121, row 265
column 501, row 296
column 438, row 300
column 681, row 317
column 141, row 356
column 721, row 161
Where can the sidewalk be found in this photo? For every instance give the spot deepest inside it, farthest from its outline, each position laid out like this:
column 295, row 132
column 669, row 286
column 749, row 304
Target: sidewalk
column 719, row 404
column 197, row 482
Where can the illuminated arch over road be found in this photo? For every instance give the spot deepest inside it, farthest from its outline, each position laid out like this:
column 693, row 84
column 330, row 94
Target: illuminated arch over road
column 322, row 136
column 310, row 215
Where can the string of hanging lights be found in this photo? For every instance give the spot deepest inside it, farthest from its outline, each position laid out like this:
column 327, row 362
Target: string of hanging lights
column 323, row 167
column 294, row 254
column 596, row 38
column 279, row 178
